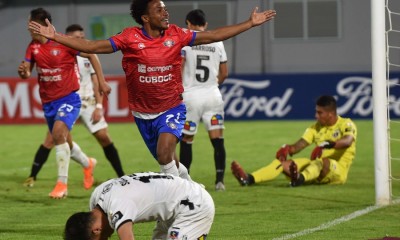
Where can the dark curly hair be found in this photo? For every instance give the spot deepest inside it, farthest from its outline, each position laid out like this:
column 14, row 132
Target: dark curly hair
column 39, row 15
column 78, row 226
column 139, row 8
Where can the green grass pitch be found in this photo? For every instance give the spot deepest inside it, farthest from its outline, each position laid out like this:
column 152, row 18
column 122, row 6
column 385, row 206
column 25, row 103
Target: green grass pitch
column 271, row 210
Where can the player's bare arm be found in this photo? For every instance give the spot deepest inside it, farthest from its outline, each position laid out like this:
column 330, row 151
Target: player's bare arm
column 125, row 231
column 83, row 45
column 25, row 69
column 222, row 72
column 298, row 146
column 223, row 33
column 98, row 111
column 103, row 88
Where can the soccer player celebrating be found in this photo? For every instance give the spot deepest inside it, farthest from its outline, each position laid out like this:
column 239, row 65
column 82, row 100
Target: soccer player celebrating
column 152, row 65
column 183, row 209
column 330, row 161
column 91, row 114
column 202, row 97
column 58, row 79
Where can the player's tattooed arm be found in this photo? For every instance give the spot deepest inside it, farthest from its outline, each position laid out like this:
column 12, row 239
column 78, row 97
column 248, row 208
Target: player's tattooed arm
column 298, row 146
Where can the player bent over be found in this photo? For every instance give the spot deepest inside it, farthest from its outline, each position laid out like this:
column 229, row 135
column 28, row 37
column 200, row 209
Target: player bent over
column 330, row 161
column 183, row 209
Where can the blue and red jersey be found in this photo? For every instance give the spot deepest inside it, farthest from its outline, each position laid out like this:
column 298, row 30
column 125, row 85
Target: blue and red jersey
column 153, row 67
column 58, row 73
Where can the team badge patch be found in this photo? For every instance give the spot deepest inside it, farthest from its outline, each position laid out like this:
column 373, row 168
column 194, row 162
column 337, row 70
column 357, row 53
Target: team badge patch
column 55, row 52
column 173, row 234
column 117, row 216
column 169, row 43
column 189, row 126
column 217, row 120
column 172, row 125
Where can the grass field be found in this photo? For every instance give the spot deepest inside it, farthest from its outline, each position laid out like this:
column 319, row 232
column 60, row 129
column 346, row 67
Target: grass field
column 267, row 211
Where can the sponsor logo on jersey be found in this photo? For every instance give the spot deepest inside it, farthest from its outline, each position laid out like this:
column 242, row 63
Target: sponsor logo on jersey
column 117, row 216
column 217, row 120
column 189, row 126
column 107, row 188
column 169, row 43
column 142, row 68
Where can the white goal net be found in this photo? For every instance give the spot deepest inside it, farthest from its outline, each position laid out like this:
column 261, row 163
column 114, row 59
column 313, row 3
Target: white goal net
column 392, row 83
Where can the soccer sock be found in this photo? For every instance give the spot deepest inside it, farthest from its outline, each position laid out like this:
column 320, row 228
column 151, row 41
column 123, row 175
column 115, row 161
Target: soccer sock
column 170, row 168
column 112, row 156
column 185, row 154
column 63, row 154
column 183, row 172
column 313, row 170
column 269, row 172
column 219, row 158
column 78, row 156
column 40, row 158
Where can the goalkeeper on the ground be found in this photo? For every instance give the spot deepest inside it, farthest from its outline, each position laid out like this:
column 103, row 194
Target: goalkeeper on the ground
column 335, row 147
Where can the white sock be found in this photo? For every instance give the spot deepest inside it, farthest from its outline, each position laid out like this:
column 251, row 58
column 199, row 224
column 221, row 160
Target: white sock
column 78, row 156
column 63, row 155
column 183, row 172
column 170, row 168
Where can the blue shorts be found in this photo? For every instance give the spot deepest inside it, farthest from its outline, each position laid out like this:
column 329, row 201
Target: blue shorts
column 65, row 109
column 171, row 121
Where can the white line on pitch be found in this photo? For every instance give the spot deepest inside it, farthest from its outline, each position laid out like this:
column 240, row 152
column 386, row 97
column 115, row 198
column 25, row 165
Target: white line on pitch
column 334, row 222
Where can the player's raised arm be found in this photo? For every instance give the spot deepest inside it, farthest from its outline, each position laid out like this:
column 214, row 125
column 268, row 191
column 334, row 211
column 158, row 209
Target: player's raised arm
column 83, row 45
column 223, row 33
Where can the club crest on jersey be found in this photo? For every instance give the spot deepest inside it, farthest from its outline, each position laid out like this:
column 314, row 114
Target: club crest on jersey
column 141, row 45
column 117, row 216
column 217, row 120
column 172, row 125
column 87, row 64
column 169, row 43
column 55, row 52
column 336, row 134
column 173, row 234
column 189, row 126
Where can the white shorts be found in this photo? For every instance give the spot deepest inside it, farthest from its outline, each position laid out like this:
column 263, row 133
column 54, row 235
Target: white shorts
column 190, row 224
column 87, row 109
column 207, row 107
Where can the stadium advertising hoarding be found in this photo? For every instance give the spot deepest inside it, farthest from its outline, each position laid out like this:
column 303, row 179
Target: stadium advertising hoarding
column 247, row 97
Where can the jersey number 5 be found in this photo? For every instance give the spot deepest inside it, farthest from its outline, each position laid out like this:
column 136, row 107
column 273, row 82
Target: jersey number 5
column 203, row 68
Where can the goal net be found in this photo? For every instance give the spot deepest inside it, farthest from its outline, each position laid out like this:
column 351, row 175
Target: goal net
column 385, row 16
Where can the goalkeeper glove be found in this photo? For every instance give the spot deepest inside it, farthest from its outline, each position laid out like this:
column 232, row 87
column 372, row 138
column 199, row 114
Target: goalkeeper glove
column 282, row 153
column 317, row 152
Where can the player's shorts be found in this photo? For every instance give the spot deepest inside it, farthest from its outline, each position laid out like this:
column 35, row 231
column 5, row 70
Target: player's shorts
column 65, row 109
column 206, row 107
column 190, row 224
column 338, row 171
column 87, row 109
column 170, row 121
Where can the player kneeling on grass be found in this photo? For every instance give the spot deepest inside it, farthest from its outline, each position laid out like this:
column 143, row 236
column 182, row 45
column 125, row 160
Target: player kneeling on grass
column 183, row 209
column 330, row 161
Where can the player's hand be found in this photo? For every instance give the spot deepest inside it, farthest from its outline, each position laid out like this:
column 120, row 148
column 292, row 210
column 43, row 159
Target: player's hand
column 48, row 31
column 317, row 152
column 23, row 70
column 282, row 153
column 97, row 115
column 104, row 88
column 258, row 18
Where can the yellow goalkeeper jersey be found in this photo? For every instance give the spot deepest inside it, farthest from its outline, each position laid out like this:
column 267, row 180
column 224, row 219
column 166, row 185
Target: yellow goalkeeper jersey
column 344, row 126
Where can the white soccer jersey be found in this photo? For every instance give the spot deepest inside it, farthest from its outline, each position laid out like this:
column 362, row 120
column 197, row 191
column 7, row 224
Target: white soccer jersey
column 143, row 197
column 202, row 65
column 85, row 70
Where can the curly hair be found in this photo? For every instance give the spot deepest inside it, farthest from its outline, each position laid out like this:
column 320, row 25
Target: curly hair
column 78, row 226
column 139, row 8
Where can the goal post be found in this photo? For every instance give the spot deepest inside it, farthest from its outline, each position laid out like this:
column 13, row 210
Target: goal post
column 380, row 118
